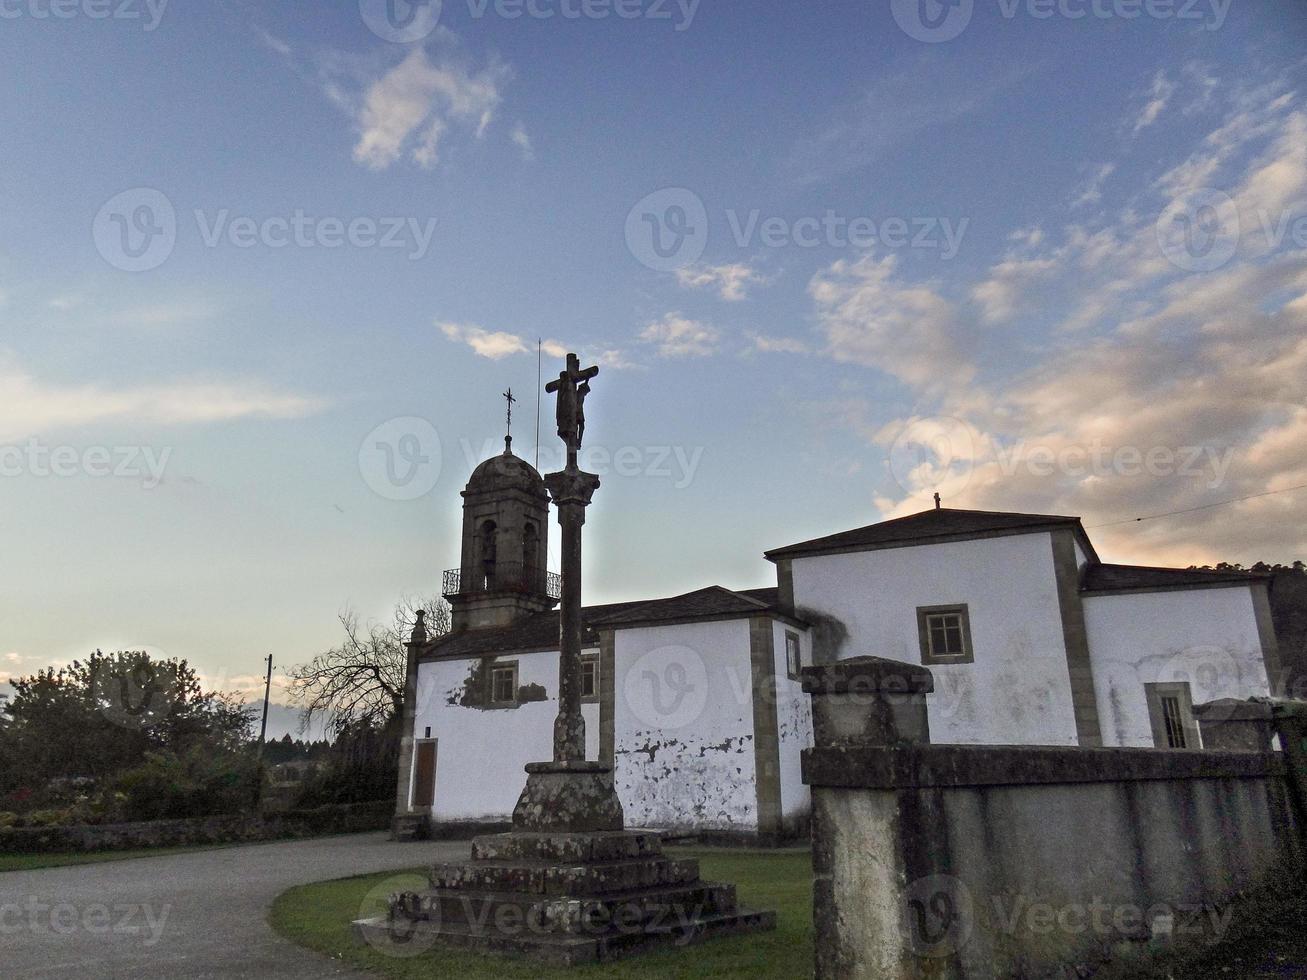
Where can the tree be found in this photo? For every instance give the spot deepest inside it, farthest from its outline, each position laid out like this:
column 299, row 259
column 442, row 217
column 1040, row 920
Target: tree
column 360, row 684
column 98, row 717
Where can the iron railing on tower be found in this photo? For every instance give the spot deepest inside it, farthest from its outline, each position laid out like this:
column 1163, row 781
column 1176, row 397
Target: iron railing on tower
column 503, row 576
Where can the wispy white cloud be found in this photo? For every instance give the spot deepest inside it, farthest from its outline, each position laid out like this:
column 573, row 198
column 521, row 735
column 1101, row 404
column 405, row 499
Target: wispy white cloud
column 1093, row 191
column 1005, row 292
column 496, row 344
column 1156, row 100
column 871, row 316
column 777, row 345
column 522, row 140
column 731, row 281
column 410, row 107
column 678, row 336
column 39, row 408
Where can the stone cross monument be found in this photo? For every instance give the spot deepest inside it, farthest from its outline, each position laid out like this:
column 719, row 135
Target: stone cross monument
column 569, row 884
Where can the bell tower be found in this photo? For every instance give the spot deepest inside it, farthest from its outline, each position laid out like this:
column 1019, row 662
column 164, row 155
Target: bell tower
column 503, row 573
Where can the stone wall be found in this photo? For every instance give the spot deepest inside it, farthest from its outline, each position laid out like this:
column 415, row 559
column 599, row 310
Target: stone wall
column 966, row 861
column 345, row 819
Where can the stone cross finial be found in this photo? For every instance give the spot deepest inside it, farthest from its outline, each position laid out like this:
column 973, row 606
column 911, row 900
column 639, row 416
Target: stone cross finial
column 508, row 439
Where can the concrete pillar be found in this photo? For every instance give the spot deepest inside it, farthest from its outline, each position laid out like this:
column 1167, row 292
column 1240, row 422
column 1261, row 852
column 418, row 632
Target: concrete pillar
column 868, row 701
column 1290, row 720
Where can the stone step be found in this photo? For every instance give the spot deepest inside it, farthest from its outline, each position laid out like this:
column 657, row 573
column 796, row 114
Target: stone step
column 593, row 915
column 561, row 950
column 543, row 878
column 567, row 848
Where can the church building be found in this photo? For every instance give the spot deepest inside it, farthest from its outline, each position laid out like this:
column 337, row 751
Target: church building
column 695, row 698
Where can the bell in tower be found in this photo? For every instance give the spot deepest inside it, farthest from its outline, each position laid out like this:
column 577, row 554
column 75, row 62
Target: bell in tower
column 503, row 575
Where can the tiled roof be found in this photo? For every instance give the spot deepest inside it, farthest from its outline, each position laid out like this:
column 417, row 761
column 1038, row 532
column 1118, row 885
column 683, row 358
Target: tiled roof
column 922, row 527
column 1111, row 578
column 540, row 632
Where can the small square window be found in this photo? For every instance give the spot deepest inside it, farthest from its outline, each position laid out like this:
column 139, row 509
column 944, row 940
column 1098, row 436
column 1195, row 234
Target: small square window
column 945, row 634
column 590, row 677
column 1171, row 712
column 503, row 684
column 793, row 655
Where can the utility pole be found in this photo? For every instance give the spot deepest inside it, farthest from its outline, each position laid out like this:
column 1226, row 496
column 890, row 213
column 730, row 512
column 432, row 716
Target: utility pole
column 267, row 690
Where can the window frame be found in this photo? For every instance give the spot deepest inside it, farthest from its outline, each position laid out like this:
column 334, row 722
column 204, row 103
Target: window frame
column 586, row 659
column 495, row 668
column 1156, row 695
column 928, row 657
column 793, row 668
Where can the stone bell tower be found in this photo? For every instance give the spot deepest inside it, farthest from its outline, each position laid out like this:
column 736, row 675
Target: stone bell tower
column 503, row 573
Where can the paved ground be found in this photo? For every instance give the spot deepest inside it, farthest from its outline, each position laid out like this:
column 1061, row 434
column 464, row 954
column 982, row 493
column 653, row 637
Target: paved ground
column 184, row 916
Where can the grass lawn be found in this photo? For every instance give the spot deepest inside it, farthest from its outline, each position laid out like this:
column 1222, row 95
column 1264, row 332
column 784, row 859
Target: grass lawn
column 31, row 862
column 318, row 916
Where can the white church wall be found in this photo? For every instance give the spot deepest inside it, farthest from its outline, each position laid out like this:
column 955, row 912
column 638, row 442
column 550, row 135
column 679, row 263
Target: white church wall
column 1207, row 637
column 793, row 725
column 1018, row 690
column 684, row 744
column 481, row 753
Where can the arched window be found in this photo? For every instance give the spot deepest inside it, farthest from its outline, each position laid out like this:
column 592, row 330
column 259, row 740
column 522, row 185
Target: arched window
column 530, row 557
column 489, row 555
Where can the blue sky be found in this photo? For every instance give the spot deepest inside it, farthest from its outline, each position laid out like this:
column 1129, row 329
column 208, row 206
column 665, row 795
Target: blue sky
column 1037, row 261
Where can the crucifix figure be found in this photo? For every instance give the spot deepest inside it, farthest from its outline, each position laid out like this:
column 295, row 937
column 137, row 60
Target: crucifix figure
column 508, row 439
column 571, row 388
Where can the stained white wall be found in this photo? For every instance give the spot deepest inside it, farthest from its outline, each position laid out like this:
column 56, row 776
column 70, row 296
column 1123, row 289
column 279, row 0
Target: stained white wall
column 482, row 753
column 684, row 726
column 1207, row 637
column 1019, row 689
column 793, row 724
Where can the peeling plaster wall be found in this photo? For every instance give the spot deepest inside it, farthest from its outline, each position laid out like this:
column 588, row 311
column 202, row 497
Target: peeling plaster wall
column 684, row 727
column 794, row 726
column 1018, row 691
column 1207, row 637
column 482, row 752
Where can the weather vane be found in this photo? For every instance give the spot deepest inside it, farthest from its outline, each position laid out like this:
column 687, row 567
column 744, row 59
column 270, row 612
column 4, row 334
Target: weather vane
column 508, row 439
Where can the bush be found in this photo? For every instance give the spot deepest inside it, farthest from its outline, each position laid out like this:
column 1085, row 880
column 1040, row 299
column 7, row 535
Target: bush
column 8, row 819
column 198, row 783
column 49, row 818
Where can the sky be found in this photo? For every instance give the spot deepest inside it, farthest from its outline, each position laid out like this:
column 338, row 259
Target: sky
column 265, row 272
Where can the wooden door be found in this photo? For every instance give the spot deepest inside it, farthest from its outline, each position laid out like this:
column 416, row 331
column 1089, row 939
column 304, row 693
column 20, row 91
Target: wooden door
column 424, row 777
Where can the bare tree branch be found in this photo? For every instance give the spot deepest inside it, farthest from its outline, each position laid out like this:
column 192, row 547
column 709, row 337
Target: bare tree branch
column 361, row 682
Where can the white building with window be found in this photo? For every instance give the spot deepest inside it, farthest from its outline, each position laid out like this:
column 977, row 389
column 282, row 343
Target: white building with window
column 695, row 699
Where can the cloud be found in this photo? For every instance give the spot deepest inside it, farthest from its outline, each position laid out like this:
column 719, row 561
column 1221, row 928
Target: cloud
column 894, row 110
column 678, row 336
column 36, row 407
column 412, row 106
column 1159, row 94
column 272, row 42
column 522, row 141
column 777, row 345
column 870, row 316
column 1002, row 295
column 730, row 281
column 1201, row 373
column 163, row 314
column 1093, row 192
column 496, row 344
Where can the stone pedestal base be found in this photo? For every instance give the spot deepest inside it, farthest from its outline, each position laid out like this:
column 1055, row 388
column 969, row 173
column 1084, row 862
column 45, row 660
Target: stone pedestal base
column 568, row 798
column 563, row 898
